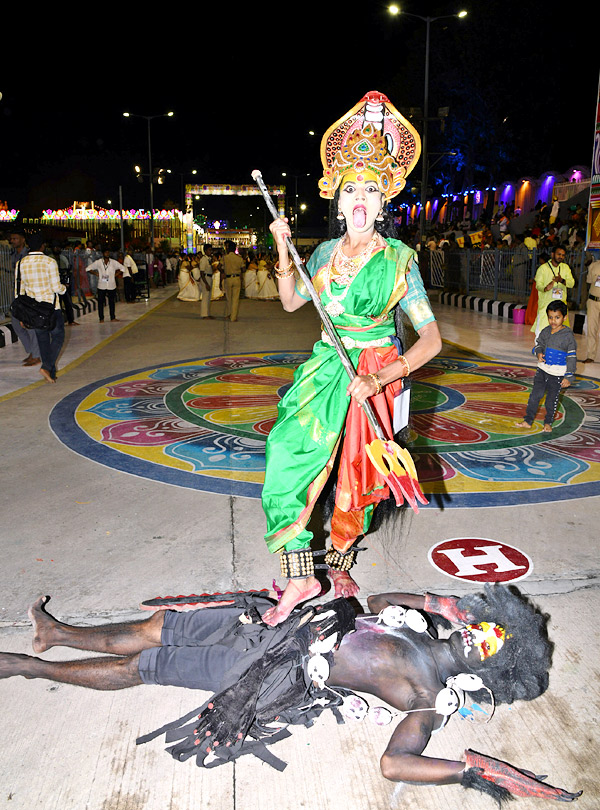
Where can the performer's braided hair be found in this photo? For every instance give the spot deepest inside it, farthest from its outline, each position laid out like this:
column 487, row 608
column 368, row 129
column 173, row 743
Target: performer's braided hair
column 519, row 671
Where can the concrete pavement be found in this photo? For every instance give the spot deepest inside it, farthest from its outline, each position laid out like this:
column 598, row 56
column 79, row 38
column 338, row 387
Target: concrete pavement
column 100, row 541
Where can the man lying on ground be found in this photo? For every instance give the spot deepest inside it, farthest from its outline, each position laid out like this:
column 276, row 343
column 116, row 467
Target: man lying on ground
column 316, row 659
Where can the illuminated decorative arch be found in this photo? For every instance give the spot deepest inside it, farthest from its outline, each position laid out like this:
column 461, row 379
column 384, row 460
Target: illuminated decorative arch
column 225, row 190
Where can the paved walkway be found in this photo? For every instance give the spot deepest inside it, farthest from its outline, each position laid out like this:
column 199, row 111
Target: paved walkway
column 100, row 541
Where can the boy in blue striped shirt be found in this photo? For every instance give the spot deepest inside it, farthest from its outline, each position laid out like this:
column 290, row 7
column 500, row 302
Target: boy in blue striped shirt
column 556, row 352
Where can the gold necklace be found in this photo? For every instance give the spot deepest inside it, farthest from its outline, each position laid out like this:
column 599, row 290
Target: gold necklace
column 347, row 268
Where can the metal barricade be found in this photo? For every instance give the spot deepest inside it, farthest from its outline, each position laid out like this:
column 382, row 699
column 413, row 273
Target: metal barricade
column 7, row 283
column 437, row 267
column 508, row 273
column 141, row 280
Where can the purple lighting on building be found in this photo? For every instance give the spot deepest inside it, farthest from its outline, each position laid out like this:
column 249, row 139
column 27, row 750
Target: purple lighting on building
column 546, row 189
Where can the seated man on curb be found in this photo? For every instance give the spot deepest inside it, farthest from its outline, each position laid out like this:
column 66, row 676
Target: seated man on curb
column 315, row 659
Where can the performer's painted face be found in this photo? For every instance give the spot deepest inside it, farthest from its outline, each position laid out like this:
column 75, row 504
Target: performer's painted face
column 360, row 201
column 487, row 637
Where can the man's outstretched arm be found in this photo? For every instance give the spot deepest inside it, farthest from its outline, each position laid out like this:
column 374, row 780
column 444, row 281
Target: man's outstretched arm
column 446, row 606
column 403, row 762
column 379, row 601
column 403, row 759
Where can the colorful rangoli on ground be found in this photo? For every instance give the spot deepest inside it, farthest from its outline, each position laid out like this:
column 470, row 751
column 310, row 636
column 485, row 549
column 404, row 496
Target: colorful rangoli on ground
column 203, row 423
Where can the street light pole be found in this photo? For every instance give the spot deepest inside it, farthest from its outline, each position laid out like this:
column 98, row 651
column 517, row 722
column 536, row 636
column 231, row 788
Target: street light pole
column 394, row 9
column 121, row 217
column 296, row 205
column 149, row 118
column 296, row 211
column 424, row 168
column 151, row 179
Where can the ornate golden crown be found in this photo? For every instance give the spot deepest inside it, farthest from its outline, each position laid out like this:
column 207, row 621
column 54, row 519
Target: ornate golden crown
column 373, row 136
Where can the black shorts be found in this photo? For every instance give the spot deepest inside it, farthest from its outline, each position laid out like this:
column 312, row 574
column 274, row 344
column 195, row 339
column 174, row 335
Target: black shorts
column 183, row 659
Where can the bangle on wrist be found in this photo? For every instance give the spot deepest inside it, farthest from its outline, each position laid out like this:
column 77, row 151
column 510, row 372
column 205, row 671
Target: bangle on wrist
column 403, row 359
column 285, row 271
column 377, row 381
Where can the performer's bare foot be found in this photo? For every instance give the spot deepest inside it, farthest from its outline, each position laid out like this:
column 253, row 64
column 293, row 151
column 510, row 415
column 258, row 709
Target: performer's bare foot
column 13, row 664
column 296, row 591
column 523, row 424
column 343, row 583
column 47, row 376
column 547, row 428
column 44, row 626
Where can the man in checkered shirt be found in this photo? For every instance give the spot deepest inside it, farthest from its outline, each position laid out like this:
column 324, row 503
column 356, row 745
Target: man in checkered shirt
column 18, row 241
column 40, row 279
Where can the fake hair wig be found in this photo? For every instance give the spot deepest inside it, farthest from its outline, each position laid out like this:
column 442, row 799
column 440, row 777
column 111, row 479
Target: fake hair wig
column 519, row 671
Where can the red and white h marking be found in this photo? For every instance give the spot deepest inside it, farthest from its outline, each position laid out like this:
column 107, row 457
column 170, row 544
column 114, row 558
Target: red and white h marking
column 479, row 559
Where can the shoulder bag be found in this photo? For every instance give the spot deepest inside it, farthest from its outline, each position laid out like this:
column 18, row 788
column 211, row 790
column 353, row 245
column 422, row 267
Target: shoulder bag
column 31, row 313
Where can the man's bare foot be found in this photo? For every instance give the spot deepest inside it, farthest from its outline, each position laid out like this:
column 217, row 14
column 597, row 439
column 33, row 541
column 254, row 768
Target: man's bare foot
column 296, row 591
column 523, row 424
column 13, row 664
column 547, row 428
column 47, row 376
column 44, row 625
column 343, row 583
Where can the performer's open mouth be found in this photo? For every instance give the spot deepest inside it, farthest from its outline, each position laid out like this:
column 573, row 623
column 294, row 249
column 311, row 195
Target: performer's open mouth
column 359, row 216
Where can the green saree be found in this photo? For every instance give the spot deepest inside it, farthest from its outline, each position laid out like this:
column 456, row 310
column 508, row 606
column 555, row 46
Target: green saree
column 303, row 443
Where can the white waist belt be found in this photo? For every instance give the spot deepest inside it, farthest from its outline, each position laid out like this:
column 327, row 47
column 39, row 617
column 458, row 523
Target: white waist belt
column 352, row 343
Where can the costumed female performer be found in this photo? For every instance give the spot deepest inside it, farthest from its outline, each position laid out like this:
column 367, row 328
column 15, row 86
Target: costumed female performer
column 188, row 278
column 360, row 278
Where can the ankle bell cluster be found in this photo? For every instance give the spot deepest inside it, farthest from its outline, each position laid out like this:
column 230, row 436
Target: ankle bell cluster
column 338, row 561
column 300, row 564
column 297, row 564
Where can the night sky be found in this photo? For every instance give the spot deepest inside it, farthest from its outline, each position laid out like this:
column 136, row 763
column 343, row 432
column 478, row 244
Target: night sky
column 249, row 82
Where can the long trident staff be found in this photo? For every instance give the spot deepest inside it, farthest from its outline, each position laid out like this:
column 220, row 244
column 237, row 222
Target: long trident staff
column 388, row 458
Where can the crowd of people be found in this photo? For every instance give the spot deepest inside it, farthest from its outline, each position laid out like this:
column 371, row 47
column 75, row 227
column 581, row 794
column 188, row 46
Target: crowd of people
column 528, row 245
column 79, row 271
column 462, row 256
column 55, row 273
column 203, row 276
column 270, row 661
column 538, row 230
